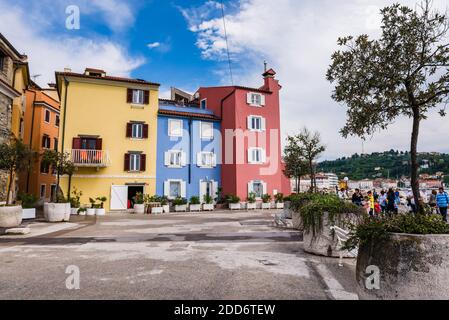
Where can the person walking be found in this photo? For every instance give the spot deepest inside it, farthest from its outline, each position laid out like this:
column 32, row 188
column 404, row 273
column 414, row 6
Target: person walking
column 371, row 203
column 391, row 201
column 383, row 201
column 433, row 202
column 342, row 194
column 357, row 198
column 442, row 202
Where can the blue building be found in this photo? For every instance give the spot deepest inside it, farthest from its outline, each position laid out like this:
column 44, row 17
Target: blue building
column 188, row 151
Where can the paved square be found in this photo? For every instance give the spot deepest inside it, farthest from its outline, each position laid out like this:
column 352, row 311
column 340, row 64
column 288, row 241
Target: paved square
column 220, row 255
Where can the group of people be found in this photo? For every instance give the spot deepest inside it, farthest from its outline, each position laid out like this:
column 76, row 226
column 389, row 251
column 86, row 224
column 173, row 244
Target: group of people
column 388, row 202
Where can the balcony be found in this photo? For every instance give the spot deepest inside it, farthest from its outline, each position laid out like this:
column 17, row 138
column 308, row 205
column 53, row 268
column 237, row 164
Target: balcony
column 90, row 158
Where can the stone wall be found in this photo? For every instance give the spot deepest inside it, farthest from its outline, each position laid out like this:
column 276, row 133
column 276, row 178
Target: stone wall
column 5, row 127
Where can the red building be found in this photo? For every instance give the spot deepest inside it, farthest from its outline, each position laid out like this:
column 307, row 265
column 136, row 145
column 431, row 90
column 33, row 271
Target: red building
column 251, row 148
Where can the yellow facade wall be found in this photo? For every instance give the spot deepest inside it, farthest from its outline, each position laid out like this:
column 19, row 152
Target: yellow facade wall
column 102, row 110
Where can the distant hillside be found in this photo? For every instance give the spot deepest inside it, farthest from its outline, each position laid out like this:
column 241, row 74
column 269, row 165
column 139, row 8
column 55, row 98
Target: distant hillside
column 392, row 164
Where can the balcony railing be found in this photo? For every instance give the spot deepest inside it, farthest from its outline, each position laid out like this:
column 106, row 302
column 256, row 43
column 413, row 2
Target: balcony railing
column 90, row 158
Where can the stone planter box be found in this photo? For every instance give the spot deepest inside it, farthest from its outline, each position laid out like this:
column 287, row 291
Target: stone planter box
column 10, row 217
column 74, row 211
column 157, row 210
column 296, row 219
column 235, row 206
column 181, row 208
column 324, row 242
column 166, row 208
column 195, row 207
column 57, row 212
column 208, row 207
column 266, row 206
column 29, row 213
column 139, row 208
column 100, row 212
column 279, row 205
column 251, row 206
column 411, row 267
column 90, row 212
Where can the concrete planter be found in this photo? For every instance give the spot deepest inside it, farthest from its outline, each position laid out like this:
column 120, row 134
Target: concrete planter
column 56, row 212
column 234, row 206
column 279, row 205
column 266, row 206
column 100, row 212
column 324, row 242
column 287, row 211
column 296, row 219
column 90, row 212
column 411, row 267
column 251, row 206
column 157, row 210
column 139, row 208
column 195, row 207
column 166, row 208
column 208, row 207
column 74, row 211
column 10, row 217
column 29, row 213
column 181, row 208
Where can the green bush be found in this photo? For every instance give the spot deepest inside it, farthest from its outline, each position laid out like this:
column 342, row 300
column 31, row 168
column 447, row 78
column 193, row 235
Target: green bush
column 194, row 200
column 279, row 198
column 266, row 198
column 232, row 198
column 75, row 199
column 139, row 198
column 28, row 200
column 251, row 197
column 179, row 201
column 208, row 199
column 376, row 229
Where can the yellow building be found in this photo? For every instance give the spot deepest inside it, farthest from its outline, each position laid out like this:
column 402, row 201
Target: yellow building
column 109, row 128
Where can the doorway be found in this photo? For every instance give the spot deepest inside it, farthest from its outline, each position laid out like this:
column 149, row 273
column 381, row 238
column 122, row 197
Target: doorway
column 132, row 191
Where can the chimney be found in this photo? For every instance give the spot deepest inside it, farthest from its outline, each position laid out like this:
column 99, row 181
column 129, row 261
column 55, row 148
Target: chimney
column 66, row 69
column 270, row 83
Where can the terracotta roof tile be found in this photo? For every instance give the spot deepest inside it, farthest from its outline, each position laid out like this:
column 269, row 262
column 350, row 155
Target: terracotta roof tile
column 110, row 78
column 189, row 114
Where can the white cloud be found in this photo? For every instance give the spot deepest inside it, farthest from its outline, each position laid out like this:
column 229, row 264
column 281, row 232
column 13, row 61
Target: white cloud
column 297, row 38
column 153, row 45
column 48, row 53
column 117, row 14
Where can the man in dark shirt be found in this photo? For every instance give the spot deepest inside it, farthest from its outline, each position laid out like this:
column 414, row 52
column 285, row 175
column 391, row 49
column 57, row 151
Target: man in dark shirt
column 357, row 198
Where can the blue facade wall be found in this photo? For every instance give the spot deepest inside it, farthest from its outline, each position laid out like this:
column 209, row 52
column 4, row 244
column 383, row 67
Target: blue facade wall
column 190, row 143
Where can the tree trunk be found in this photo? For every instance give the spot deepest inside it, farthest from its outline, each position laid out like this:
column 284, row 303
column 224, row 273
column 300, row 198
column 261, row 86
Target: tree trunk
column 70, row 186
column 11, row 173
column 414, row 159
column 312, row 176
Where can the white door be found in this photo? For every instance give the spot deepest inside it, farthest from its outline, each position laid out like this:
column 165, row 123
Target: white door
column 205, row 189
column 119, row 197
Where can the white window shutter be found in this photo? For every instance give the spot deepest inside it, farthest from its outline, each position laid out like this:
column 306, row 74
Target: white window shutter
column 214, row 190
column 249, row 121
column 264, row 186
column 263, row 124
column 250, row 187
column 248, row 98
column 262, row 100
column 214, row 160
column 183, row 159
column 250, row 155
column 167, row 158
column 199, row 159
column 166, row 188
column 183, row 189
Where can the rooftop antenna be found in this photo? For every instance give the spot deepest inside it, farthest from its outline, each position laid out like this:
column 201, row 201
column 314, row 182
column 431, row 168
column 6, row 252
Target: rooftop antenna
column 265, row 65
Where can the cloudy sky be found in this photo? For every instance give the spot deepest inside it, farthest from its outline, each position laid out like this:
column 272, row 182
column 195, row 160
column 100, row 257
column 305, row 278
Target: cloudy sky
column 181, row 43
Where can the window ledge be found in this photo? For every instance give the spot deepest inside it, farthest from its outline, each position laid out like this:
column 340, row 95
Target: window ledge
column 137, row 106
column 175, row 167
column 137, row 139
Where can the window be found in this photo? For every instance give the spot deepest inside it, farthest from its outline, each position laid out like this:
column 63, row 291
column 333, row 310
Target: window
column 207, row 130
column 175, row 128
column 45, row 169
column 203, row 104
column 256, row 155
column 137, row 130
column 46, row 142
column 47, row 116
column 2, row 61
column 56, row 144
column 175, row 189
column 134, row 163
column 255, row 99
column 57, row 121
column 256, row 123
column 206, row 159
column 258, row 189
column 43, row 191
column 174, row 158
column 138, row 96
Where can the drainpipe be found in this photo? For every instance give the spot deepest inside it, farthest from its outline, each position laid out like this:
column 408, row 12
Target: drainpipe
column 190, row 150
column 31, row 140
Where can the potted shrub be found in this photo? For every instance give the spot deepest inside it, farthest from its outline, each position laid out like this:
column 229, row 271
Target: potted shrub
column 165, row 205
column 266, row 201
column 75, row 203
column 59, row 209
column 180, row 204
column 82, row 211
column 99, row 210
column 251, row 201
column 410, row 252
column 15, row 156
column 234, row 202
column 279, row 200
column 139, row 203
column 318, row 214
column 28, row 203
column 195, row 204
column 208, row 204
column 93, row 206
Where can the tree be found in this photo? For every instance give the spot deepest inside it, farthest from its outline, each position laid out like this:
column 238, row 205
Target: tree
column 14, row 157
column 63, row 166
column 311, row 149
column 403, row 73
column 295, row 164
